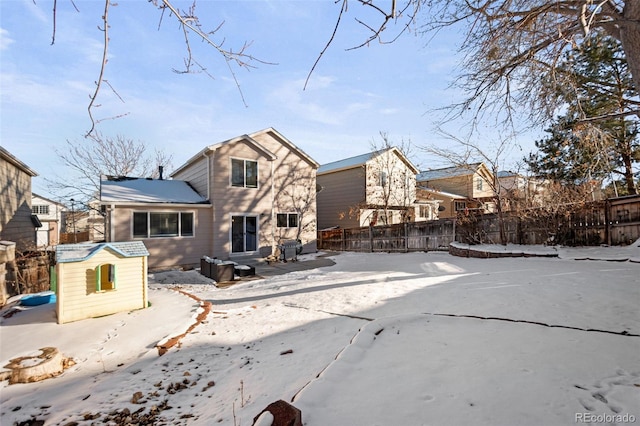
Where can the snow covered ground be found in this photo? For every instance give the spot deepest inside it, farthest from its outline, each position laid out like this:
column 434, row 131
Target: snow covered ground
column 377, row 339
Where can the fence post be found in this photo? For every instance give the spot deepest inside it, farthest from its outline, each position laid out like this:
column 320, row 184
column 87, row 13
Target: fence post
column 370, row 238
column 343, row 241
column 454, row 230
column 406, row 237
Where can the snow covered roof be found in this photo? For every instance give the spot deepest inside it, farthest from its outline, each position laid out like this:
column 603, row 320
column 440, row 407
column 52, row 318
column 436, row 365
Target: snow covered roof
column 66, row 253
column 447, row 172
column 146, row 190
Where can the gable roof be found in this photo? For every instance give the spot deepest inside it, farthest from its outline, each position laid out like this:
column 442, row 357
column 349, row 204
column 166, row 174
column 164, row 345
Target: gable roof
column 6, row 155
column 147, row 190
column 66, row 253
column 448, row 172
column 360, row 160
column 249, row 138
column 34, row 195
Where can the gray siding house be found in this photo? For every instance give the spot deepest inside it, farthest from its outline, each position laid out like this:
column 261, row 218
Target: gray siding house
column 376, row 188
column 16, row 222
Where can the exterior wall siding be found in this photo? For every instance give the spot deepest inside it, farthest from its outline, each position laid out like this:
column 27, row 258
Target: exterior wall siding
column 77, row 296
column 341, row 191
column 196, row 175
column 168, row 251
column 15, row 206
column 294, row 192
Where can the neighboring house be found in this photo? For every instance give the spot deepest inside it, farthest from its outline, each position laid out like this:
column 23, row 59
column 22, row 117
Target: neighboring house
column 169, row 216
column 240, row 197
column 377, row 188
column 262, row 189
column 17, row 222
column 87, row 221
column 471, row 181
column 93, row 280
column 518, row 187
column 49, row 213
column 449, row 205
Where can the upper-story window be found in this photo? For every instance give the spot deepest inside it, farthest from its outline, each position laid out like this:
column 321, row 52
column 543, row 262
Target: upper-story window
column 479, row 184
column 40, row 209
column 244, row 173
column 382, row 179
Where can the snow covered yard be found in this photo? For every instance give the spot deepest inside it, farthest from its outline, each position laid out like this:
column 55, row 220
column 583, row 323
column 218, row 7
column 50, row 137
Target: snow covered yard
column 377, row 339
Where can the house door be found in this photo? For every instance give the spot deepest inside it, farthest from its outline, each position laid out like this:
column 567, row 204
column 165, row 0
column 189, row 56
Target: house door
column 244, row 234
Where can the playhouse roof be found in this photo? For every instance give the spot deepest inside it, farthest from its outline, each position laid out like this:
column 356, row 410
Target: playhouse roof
column 66, row 253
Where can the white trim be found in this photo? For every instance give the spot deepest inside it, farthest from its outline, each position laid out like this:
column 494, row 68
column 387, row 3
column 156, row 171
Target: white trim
column 245, row 172
column 244, row 215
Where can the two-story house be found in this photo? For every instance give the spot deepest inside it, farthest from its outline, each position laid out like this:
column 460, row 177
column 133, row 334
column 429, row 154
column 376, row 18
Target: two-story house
column 377, row 188
column 17, row 223
column 462, row 188
column 49, row 213
column 240, row 197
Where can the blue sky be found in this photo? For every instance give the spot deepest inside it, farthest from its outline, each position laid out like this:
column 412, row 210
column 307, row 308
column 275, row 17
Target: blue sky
column 352, row 95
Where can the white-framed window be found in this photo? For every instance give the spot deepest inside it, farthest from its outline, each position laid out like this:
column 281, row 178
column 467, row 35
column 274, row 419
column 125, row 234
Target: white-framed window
column 287, row 220
column 424, row 211
column 40, row 209
column 244, row 173
column 163, row 224
column 460, row 205
column 382, row 179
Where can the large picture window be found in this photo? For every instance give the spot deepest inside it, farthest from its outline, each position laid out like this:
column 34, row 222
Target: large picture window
column 287, row 220
column 162, row 224
column 244, row 173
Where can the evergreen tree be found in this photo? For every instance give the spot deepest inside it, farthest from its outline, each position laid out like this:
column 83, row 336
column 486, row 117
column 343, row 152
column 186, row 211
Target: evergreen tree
column 597, row 138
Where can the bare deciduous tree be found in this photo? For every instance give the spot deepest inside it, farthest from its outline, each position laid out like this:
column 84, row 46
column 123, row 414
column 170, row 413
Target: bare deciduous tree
column 391, row 182
column 466, row 154
column 191, row 28
column 84, row 162
column 509, row 44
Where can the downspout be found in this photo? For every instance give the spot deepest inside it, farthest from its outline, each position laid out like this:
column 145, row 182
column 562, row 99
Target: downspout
column 213, row 208
column 273, row 219
column 111, row 227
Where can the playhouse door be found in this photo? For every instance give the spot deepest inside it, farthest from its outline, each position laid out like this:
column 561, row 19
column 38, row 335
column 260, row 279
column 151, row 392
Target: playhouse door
column 244, row 234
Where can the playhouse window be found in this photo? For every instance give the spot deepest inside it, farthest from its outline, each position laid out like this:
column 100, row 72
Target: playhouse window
column 106, row 277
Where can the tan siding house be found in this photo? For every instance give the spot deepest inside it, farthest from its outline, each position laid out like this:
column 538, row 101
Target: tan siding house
column 15, row 202
column 371, row 189
column 262, row 191
column 100, row 279
column 170, row 218
column 472, row 181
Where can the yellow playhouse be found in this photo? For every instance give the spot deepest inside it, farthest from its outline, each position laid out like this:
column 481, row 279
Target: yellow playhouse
column 93, row 280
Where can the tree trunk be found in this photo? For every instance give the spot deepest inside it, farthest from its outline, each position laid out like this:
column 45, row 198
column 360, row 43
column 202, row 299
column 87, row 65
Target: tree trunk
column 630, row 38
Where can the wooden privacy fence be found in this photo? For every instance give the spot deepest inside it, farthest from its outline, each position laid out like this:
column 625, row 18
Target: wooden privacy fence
column 402, row 237
column 72, row 238
column 614, row 222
